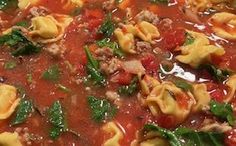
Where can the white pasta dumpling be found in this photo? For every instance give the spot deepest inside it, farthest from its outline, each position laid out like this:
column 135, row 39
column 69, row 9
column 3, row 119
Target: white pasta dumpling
column 9, row 139
column 168, row 99
column 51, row 27
column 201, row 96
column 224, row 25
column 9, row 100
column 147, row 83
column 126, row 41
column 24, row 4
column 198, row 5
column 198, row 52
column 112, row 129
column 231, row 83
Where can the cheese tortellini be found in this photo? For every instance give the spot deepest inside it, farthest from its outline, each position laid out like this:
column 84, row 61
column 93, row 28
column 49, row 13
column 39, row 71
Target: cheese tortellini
column 224, row 25
column 199, row 51
column 144, row 30
column 164, row 99
column 117, row 135
column 24, row 4
column 50, row 27
column 147, row 83
column 71, row 3
column 9, row 139
column 8, row 100
column 231, row 83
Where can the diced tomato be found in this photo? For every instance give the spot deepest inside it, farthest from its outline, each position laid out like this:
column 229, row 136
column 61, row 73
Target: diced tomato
column 217, row 95
column 166, row 121
column 182, row 100
column 94, row 23
column 124, row 78
column 149, row 62
column 83, row 59
column 216, row 59
column 93, row 13
column 174, row 38
column 230, row 138
column 211, row 86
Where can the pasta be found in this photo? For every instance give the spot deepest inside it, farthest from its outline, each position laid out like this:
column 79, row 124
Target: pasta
column 24, row 4
column 199, row 51
column 9, row 139
column 9, row 101
column 147, row 83
column 231, row 83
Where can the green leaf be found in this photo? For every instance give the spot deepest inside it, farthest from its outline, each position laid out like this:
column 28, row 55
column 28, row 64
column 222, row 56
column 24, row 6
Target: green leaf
column 23, row 23
column 189, row 39
column 113, row 45
column 108, row 26
column 129, row 89
column 93, row 69
column 57, row 119
column 52, row 73
column 101, row 109
column 6, row 4
column 183, row 85
column 9, row 65
column 159, row 1
column 219, row 74
column 223, row 111
column 24, row 109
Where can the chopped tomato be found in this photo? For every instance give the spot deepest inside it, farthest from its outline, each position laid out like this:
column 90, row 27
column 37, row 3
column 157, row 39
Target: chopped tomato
column 230, row 137
column 217, row 95
column 93, row 13
column 124, row 78
column 174, row 38
column 149, row 62
column 166, row 121
column 182, row 100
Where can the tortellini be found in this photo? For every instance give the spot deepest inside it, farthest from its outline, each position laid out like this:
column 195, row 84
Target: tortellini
column 50, row 27
column 201, row 96
column 147, row 83
column 164, row 98
column 231, row 83
column 144, row 30
column 71, row 3
column 8, row 102
column 224, row 25
column 199, row 51
column 9, row 139
column 24, row 4
column 117, row 135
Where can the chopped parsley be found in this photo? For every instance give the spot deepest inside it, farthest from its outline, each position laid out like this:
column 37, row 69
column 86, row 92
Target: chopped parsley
column 6, row 4
column 52, row 73
column 108, row 26
column 189, row 39
column 129, row 89
column 10, row 65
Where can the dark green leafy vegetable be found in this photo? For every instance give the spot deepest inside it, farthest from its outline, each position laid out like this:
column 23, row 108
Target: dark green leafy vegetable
column 102, row 109
column 57, row 119
column 223, row 111
column 183, row 85
column 113, row 45
column 10, row 65
column 129, row 89
column 159, row 1
column 108, row 26
column 6, row 4
column 52, row 73
column 189, row 39
column 190, row 137
column 24, row 109
column 20, row 43
column 93, row 69
column 23, row 23
column 219, row 74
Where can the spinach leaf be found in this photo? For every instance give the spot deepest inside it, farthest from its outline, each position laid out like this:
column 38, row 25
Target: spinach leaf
column 219, row 74
column 6, row 4
column 183, row 85
column 24, row 109
column 93, row 69
column 113, row 45
column 57, row 119
column 9, row 65
column 108, row 26
column 223, row 111
column 52, row 73
column 129, row 89
column 189, row 39
column 159, row 1
column 23, row 23
column 20, row 43
column 101, row 109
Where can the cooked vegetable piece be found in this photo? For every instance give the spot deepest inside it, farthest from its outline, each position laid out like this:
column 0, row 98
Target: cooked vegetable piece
column 5, row 4
column 108, row 26
column 52, row 73
column 183, row 85
column 23, row 23
column 219, row 74
column 57, row 119
column 20, row 43
column 129, row 89
column 101, row 109
column 113, row 45
column 24, row 109
column 10, row 65
column 189, row 39
column 223, row 111
column 93, row 69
